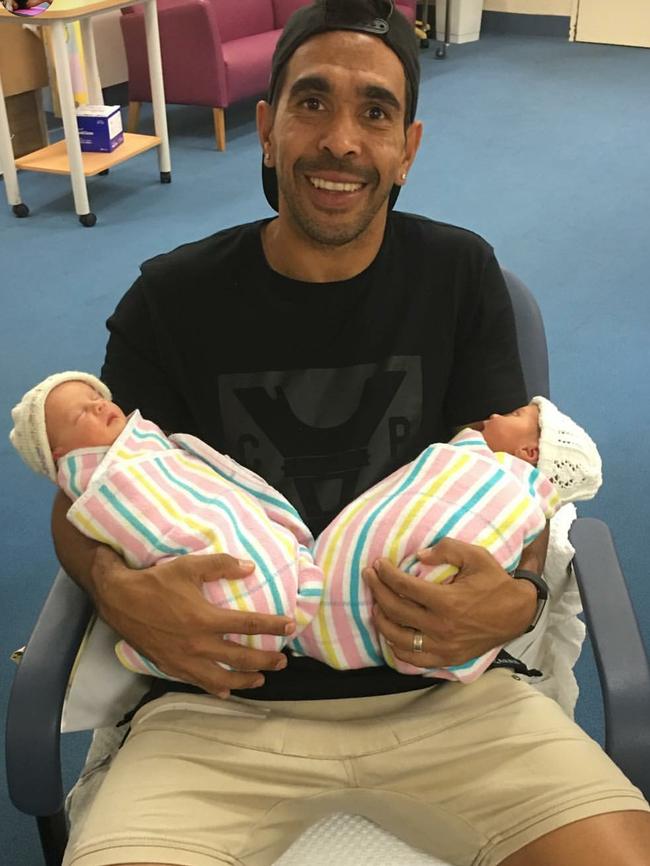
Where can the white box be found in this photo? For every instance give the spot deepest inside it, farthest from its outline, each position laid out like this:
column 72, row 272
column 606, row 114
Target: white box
column 464, row 20
column 100, row 127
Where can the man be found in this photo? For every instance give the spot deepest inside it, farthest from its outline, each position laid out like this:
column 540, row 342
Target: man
column 314, row 349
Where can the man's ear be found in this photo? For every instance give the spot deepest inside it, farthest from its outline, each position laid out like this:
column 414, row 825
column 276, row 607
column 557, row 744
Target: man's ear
column 529, row 453
column 264, row 118
column 412, row 143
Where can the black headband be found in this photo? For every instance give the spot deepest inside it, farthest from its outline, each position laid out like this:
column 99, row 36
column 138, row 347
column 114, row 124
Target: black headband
column 377, row 17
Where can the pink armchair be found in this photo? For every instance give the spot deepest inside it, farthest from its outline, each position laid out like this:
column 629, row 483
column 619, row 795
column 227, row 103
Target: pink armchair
column 214, row 52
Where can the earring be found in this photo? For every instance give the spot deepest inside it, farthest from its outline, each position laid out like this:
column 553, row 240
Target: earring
column 403, row 175
column 267, row 156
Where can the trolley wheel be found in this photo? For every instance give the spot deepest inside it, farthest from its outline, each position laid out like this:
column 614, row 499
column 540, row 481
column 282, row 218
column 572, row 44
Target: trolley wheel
column 20, row 210
column 105, row 172
column 165, row 177
column 424, row 43
column 88, row 219
column 441, row 53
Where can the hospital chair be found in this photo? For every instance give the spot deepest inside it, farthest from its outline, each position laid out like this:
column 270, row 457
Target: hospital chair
column 34, row 713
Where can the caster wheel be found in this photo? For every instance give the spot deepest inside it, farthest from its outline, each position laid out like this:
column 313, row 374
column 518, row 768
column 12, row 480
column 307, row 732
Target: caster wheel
column 88, row 219
column 441, row 53
column 105, row 172
column 165, row 177
column 20, row 210
column 424, row 43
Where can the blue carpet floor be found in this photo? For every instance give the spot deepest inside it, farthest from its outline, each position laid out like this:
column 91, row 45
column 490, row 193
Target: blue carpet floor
column 538, row 144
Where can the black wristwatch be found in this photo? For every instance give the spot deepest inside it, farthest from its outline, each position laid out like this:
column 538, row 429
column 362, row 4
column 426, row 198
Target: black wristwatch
column 542, row 592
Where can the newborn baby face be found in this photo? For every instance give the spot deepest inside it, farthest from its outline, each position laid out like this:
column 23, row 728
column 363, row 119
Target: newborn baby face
column 76, row 416
column 517, row 432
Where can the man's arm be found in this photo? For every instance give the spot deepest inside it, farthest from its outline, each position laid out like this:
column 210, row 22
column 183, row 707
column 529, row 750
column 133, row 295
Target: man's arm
column 82, row 559
column 533, row 557
column 162, row 612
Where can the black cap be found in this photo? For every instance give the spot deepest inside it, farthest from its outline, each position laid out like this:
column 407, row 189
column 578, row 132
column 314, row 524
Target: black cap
column 377, row 17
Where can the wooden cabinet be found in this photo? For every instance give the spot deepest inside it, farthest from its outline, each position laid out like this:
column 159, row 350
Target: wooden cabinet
column 24, row 72
column 22, row 61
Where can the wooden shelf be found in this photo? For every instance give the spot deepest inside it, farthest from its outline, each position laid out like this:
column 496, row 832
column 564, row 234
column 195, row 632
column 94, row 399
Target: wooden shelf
column 54, row 158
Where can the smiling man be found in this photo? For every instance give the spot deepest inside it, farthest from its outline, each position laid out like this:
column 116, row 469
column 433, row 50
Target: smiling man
column 316, row 349
column 335, row 178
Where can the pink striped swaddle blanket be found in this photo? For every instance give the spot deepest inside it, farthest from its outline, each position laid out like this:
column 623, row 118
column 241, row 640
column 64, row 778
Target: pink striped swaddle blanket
column 152, row 498
column 460, row 490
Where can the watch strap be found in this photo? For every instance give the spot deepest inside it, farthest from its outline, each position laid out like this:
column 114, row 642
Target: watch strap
column 542, row 592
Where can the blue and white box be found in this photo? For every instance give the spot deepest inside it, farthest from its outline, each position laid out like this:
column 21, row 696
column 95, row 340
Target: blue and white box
column 100, row 127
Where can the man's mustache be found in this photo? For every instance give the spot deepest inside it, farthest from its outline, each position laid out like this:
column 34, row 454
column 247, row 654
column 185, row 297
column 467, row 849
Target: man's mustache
column 313, row 166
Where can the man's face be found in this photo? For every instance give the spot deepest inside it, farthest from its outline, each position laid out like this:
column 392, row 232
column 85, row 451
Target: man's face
column 517, row 432
column 76, row 416
column 336, row 135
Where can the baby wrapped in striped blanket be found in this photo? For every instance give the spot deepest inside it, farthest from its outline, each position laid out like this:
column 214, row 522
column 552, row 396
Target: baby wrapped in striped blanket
column 152, row 497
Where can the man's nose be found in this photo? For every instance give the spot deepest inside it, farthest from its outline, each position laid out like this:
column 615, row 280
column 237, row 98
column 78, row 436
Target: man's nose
column 342, row 137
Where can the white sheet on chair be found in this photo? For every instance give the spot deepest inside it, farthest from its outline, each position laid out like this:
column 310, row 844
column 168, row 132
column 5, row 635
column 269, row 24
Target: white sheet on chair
column 352, row 840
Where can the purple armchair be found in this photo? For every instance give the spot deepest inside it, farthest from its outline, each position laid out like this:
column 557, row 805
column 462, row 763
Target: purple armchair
column 214, row 52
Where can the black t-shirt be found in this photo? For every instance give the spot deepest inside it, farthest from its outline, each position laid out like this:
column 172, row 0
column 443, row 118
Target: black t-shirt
column 321, row 388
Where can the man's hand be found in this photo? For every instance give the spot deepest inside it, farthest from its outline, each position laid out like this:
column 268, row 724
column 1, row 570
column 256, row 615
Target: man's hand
column 162, row 613
column 481, row 609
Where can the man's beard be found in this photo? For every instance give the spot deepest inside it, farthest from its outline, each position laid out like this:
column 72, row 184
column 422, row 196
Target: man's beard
column 335, row 234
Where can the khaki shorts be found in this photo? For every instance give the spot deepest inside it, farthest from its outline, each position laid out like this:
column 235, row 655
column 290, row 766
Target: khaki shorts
column 470, row 773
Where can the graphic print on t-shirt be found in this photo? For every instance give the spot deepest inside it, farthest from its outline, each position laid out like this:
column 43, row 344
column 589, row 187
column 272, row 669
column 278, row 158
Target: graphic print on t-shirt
column 323, row 436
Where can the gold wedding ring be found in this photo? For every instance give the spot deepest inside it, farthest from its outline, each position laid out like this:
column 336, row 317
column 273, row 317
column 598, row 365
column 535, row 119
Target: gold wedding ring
column 418, row 641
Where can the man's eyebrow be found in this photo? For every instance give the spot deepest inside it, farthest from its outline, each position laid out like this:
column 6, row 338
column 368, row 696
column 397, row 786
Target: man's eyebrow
column 381, row 94
column 309, row 84
column 318, row 84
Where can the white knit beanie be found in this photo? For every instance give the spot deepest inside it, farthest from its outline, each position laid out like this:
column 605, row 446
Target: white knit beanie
column 29, row 436
column 567, row 454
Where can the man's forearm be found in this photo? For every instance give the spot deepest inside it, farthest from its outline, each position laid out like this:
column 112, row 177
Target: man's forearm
column 85, row 560
column 533, row 557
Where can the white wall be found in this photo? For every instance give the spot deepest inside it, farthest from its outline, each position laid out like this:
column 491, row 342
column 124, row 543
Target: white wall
column 530, row 7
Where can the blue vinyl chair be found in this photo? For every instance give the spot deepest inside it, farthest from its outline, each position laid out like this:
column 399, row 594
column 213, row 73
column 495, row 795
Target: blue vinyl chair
column 34, row 714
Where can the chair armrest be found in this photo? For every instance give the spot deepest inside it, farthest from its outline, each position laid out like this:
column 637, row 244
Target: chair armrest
column 32, row 741
column 618, row 648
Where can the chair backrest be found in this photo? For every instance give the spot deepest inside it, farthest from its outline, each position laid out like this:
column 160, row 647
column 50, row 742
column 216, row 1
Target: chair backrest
column 243, row 18
column 408, row 8
column 531, row 337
